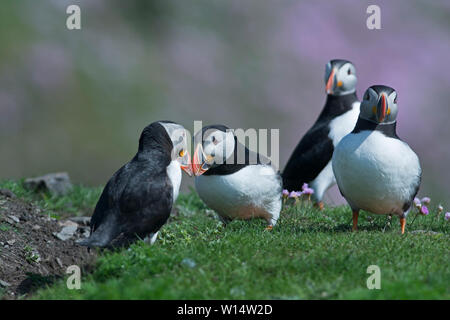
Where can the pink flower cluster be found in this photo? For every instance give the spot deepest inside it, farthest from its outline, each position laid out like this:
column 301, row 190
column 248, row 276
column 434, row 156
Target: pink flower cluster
column 306, row 190
column 421, row 205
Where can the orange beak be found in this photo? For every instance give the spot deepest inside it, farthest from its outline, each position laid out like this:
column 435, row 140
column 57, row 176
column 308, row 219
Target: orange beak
column 381, row 114
column 330, row 82
column 199, row 163
column 186, row 165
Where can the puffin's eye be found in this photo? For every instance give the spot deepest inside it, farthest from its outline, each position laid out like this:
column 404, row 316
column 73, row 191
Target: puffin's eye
column 214, row 140
column 181, row 153
column 349, row 72
column 395, row 100
column 367, row 96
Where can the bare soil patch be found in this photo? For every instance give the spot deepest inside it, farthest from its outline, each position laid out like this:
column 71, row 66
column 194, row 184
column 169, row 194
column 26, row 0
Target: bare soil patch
column 32, row 250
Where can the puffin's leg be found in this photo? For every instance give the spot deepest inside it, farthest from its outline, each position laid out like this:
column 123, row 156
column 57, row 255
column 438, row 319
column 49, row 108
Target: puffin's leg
column 151, row 238
column 270, row 224
column 403, row 223
column 355, row 220
column 274, row 214
column 154, row 237
column 319, row 205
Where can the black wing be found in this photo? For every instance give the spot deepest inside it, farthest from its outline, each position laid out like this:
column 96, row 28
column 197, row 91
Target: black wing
column 415, row 190
column 309, row 158
column 145, row 203
column 136, row 201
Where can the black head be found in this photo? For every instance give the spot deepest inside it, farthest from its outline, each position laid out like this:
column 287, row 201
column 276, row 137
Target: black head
column 155, row 136
column 169, row 138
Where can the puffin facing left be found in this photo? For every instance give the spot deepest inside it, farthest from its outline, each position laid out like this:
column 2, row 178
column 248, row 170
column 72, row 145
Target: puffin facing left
column 138, row 198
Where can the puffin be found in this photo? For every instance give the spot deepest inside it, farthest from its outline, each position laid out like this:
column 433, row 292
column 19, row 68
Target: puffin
column 137, row 200
column 232, row 180
column 375, row 170
column 311, row 160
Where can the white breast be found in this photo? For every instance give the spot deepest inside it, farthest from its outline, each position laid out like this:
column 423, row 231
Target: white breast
column 376, row 173
column 339, row 128
column 174, row 172
column 344, row 124
column 254, row 191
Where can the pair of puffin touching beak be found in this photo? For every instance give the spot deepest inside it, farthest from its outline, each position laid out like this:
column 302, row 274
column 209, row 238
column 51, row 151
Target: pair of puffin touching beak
column 200, row 162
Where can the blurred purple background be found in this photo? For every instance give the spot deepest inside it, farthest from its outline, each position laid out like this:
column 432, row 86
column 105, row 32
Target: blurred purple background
column 78, row 100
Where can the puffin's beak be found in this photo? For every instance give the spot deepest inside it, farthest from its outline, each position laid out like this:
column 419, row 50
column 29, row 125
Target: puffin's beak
column 381, row 110
column 186, row 165
column 330, row 82
column 200, row 162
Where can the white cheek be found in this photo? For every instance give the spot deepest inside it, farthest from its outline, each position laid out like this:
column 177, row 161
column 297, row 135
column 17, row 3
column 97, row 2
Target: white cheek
column 218, row 155
column 350, row 82
column 229, row 145
column 217, row 150
column 209, row 149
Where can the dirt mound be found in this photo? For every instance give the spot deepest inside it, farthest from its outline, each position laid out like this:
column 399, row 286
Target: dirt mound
column 36, row 249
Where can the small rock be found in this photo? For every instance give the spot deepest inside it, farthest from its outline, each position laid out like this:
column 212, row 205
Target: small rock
column 14, row 218
column 55, row 183
column 48, row 218
column 36, row 227
column 59, row 262
column 188, row 262
column 4, row 284
column 7, row 193
column 66, row 233
column 81, row 220
column 67, row 223
column 11, row 242
column 8, row 220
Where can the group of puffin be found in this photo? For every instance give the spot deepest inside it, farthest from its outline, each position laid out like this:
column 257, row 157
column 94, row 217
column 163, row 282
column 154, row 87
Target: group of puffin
column 352, row 143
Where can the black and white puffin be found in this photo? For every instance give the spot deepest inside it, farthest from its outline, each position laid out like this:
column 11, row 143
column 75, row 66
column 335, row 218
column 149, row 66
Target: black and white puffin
column 137, row 200
column 375, row 170
column 311, row 160
column 232, row 180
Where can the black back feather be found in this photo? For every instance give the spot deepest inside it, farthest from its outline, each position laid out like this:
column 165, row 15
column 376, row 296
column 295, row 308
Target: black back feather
column 315, row 149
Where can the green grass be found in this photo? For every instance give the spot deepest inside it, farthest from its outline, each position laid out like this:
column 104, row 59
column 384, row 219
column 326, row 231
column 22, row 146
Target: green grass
column 79, row 201
column 308, row 255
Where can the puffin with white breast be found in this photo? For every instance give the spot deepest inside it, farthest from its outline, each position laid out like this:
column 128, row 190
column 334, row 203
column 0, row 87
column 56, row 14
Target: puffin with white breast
column 232, row 180
column 311, row 160
column 375, row 170
column 137, row 200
